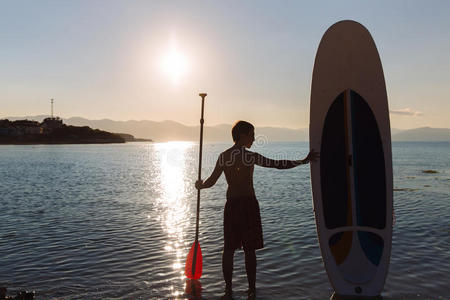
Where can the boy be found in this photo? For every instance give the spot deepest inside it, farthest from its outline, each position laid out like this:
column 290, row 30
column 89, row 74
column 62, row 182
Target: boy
column 242, row 221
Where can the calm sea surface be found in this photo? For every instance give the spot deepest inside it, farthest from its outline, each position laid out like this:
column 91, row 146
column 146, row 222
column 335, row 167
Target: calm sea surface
column 117, row 221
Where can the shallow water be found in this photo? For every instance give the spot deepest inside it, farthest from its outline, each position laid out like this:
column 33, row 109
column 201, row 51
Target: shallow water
column 117, row 221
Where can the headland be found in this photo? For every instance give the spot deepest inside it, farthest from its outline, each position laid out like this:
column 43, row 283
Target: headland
column 52, row 131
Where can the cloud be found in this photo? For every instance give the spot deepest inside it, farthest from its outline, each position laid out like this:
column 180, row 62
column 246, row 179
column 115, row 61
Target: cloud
column 406, row 112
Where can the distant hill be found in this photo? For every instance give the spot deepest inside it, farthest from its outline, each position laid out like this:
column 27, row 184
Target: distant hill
column 423, row 134
column 171, row 130
column 38, row 118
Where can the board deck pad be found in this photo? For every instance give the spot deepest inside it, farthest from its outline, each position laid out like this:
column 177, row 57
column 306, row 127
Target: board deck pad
column 368, row 179
column 368, row 163
column 352, row 180
column 335, row 196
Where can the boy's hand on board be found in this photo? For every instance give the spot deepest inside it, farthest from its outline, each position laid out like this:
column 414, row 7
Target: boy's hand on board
column 312, row 156
column 199, row 184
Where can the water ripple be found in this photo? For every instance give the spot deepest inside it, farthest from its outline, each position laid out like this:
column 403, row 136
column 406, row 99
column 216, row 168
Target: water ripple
column 117, row 221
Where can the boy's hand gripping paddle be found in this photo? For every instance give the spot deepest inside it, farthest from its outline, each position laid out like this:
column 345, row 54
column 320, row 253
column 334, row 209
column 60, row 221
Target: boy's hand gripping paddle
column 194, row 263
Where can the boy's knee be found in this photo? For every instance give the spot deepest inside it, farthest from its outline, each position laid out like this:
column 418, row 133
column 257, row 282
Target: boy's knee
column 249, row 252
column 228, row 251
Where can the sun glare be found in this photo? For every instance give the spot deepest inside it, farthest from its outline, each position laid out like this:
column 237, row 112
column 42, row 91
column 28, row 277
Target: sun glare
column 175, row 65
column 173, row 201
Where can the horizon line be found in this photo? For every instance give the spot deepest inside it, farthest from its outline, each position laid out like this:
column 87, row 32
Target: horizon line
column 193, row 125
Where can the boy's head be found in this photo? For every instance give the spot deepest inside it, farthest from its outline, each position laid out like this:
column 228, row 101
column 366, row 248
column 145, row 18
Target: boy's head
column 242, row 129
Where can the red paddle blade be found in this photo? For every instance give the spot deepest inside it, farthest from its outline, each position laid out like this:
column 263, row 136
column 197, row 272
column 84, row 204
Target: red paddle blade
column 194, row 262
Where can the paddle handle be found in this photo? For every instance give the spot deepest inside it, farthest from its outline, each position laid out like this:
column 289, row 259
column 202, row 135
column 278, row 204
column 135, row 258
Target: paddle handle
column 203, row 95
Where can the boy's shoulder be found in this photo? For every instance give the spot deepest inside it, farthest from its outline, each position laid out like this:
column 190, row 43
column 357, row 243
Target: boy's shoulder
column 228, row 151
column 233, row 151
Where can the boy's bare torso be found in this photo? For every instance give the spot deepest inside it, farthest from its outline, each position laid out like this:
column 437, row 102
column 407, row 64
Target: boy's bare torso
column 238, row 165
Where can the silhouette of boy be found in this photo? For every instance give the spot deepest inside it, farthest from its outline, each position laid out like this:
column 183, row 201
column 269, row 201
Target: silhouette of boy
column 242, row 220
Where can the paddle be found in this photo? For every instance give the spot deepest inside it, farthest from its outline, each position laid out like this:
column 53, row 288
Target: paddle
column 194, row 264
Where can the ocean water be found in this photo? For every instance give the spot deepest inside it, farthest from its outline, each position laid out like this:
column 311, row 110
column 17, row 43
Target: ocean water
column 117, row 221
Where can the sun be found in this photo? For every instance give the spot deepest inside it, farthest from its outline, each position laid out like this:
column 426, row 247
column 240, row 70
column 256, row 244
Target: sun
column 175, row 65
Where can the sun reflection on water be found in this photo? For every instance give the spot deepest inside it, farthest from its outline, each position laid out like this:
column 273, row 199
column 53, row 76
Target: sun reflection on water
column 174, row 200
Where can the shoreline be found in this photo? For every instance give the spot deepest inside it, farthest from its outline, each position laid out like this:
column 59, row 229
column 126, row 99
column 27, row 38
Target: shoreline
column 58, row 143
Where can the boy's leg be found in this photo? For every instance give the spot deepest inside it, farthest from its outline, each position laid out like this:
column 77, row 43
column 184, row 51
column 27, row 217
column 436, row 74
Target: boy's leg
column 250, row 267
column 227, row 267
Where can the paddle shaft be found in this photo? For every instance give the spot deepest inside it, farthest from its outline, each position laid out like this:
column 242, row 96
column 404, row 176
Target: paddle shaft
column 200, row 166
column 199, row 178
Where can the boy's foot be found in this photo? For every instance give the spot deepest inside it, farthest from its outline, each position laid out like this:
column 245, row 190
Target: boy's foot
column 228, row 295
column 251, row 293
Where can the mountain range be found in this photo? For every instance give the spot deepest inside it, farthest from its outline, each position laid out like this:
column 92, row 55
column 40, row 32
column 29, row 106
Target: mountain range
column 171, row 131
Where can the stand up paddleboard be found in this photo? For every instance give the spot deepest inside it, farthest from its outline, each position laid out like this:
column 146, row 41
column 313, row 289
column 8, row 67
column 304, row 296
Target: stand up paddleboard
column 352, row 180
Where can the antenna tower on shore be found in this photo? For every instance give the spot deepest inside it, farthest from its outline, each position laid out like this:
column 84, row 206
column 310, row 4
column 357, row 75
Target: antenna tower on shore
column 52, row 107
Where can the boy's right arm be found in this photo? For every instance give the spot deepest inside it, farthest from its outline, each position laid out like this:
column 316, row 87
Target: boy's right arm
column 200, row 184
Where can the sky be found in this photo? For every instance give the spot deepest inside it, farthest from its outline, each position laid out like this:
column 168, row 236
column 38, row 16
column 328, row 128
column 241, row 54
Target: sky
column 148, row 60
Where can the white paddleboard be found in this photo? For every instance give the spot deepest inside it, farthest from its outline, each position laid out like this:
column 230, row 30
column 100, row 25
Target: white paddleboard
column 352, row 180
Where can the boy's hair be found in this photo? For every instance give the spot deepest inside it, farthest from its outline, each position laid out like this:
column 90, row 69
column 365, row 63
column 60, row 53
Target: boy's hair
column 241, row 127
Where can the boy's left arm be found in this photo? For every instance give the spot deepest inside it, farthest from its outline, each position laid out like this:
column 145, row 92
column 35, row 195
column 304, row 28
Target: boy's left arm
column 265, row 162
column 284, row 164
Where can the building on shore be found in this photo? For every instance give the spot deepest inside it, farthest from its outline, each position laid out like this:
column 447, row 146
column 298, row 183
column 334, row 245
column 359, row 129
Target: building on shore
column 52, row 131
column 27, row 127
column 20, row 127
column 49, row 124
